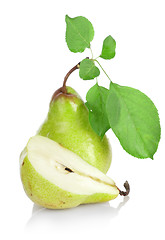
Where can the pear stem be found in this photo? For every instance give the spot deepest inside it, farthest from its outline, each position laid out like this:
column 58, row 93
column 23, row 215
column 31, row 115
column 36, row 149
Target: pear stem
column 63, row 88
column 127, row 188
column 77, row 66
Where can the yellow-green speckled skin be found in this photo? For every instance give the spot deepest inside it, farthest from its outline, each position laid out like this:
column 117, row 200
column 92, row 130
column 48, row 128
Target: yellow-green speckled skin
column 46, row 194
column 68, row 124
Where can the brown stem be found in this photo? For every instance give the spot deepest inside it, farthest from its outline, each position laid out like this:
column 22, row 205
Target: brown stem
column 63, row 90
column 127, row 188
column 77, row 66
column 67, row 75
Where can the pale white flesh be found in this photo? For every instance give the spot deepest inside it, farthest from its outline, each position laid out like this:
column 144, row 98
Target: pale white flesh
column 50, row 159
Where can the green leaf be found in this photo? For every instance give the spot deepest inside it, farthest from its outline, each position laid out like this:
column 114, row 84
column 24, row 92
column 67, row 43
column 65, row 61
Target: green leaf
column 88, row 70
column 79, row 33
column 108, row 49
column 134, row 120
column 96, row 102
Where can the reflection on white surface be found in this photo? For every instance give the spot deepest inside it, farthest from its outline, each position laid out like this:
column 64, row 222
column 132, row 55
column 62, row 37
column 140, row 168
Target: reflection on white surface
column 89, row 216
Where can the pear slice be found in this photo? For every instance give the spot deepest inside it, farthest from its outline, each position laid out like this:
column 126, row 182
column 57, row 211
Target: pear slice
column 55, row 177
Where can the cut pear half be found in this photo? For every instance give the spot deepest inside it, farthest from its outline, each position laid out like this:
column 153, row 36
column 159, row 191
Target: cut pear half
column 55, row 177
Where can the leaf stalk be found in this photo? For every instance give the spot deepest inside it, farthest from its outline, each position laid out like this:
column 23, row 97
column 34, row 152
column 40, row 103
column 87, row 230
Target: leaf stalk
column 102, row 68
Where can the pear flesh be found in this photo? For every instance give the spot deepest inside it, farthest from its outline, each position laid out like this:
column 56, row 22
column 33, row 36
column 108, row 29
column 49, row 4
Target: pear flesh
column 55, row 177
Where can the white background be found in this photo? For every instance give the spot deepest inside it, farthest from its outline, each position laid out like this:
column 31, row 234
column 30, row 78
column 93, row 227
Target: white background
column 34, row 59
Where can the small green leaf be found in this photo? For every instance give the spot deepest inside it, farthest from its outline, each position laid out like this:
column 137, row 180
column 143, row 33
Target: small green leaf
column 96, row 102
column 79, row 33
column 108, row 49
column 88, row 70
column 134, row 120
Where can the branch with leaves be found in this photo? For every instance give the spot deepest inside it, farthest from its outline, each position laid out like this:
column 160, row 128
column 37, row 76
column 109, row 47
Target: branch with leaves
column 130, row 114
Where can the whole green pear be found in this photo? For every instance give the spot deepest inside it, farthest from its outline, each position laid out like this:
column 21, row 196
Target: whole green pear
column 68, row 124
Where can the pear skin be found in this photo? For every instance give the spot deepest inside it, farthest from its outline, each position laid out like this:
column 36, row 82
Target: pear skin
column 44, row 193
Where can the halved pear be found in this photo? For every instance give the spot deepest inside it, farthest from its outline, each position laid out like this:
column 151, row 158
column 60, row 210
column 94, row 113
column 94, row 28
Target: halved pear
column 55, row 177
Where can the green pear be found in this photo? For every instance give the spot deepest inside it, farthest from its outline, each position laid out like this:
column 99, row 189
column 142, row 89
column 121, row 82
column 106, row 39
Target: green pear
column 55, row 177
column 68, row 124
